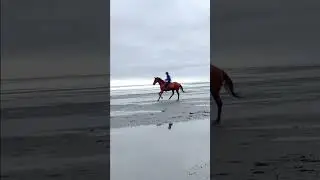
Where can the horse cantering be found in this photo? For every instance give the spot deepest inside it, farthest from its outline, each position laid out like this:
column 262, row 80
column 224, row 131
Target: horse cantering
column 173, row 86
column 218, row 78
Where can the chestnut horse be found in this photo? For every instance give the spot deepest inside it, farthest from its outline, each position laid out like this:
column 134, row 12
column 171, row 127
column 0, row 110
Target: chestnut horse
column 218, row 78
column 174, row 86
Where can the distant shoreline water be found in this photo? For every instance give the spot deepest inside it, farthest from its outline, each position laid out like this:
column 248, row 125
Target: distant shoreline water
column 144, row 82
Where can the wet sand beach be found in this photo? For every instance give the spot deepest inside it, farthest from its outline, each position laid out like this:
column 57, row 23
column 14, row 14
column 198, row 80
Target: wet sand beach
column 67, row 130
column 273, row 131
column 63, row 133
column 49, row 132
column 139, row 106
column 156, row 152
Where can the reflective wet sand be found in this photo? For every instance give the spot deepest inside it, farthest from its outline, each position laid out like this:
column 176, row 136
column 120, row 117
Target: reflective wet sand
column 155, row 152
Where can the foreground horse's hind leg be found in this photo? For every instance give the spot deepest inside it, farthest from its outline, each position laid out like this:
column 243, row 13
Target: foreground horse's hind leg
column 219, row 103
column 178, row 94
column 171, row 94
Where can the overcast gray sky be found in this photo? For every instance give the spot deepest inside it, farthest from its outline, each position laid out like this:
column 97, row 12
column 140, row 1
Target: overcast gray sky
column 150, row 37
column 265, row 33
column 54, row 37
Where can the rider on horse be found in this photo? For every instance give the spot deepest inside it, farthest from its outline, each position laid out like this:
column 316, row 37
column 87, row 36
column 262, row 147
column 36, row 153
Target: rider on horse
column 167, row 80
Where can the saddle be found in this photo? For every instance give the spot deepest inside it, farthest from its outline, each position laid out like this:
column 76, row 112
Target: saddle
column 169, row 86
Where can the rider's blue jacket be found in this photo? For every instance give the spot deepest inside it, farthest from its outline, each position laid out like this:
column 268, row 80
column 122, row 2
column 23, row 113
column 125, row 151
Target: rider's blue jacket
column 168, row 79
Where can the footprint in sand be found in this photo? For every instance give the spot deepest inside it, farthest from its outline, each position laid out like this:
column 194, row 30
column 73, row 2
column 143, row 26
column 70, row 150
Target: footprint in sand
column 257, row 172
column 222, row 174
column 235, row 162
column 54, row 175
column 260, row 164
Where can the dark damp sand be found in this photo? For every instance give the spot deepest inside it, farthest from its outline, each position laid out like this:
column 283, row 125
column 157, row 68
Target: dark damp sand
column 50, row 133
column 273, row 132
column 285, row 145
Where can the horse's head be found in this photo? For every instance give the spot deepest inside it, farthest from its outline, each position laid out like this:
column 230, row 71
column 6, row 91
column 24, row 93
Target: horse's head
column 157, row 80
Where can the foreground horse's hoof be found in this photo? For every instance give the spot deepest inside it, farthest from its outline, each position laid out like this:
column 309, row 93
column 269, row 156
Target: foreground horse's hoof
column 215, row 123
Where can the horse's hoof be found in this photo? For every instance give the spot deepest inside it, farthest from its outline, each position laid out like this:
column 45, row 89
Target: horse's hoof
column 215, row 123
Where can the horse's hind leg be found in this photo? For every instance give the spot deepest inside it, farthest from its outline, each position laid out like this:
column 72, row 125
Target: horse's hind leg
column 178, row 94
column 171, row 94
column 218, row 101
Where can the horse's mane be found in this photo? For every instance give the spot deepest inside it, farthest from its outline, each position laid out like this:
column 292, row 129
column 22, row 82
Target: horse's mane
column 159, row 78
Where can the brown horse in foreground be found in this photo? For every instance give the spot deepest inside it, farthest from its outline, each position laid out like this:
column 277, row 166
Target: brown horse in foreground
column 174, row 86
column 218, row 78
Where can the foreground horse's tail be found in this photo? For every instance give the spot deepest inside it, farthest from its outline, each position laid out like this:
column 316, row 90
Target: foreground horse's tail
column 181, row 87
column 229, row 85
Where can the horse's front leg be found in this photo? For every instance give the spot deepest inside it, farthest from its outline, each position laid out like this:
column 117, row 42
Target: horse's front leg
column 160, row 95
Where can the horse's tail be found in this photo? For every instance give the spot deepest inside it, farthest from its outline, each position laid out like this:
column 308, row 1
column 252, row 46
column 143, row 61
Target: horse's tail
column 181, row 87
column 229, row 85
